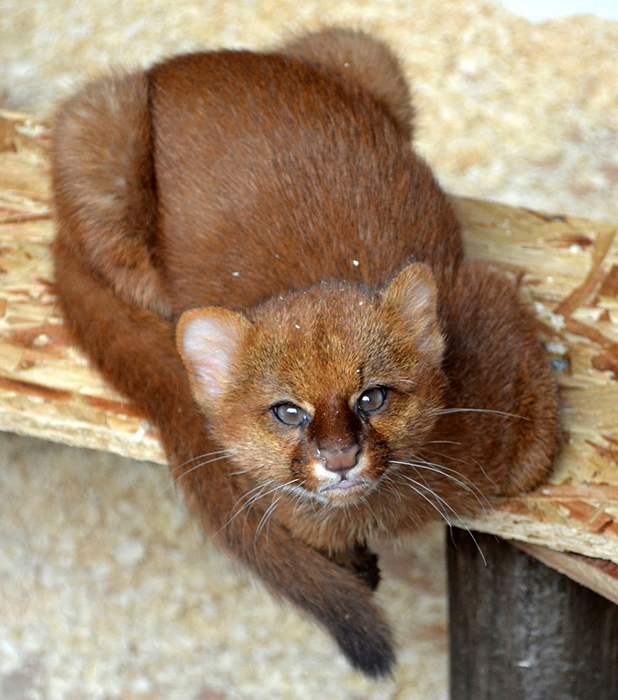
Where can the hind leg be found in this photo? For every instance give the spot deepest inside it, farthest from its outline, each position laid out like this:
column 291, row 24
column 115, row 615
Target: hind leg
column 361, row 58
column 104, row 192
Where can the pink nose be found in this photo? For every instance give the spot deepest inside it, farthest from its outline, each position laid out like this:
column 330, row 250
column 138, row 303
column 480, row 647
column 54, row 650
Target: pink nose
column 341, row 460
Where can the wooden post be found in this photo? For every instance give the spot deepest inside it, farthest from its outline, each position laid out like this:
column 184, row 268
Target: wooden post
column 522, row 631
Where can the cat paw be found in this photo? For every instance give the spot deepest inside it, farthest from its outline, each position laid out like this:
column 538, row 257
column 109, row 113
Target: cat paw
column 362, row 562
column 364, row 565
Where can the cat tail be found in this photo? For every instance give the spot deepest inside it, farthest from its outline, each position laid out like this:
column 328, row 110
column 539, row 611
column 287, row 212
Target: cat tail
column 135, row 350
column 104, row 200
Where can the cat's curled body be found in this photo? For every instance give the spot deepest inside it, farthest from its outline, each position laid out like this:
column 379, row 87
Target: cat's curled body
column 253, row 234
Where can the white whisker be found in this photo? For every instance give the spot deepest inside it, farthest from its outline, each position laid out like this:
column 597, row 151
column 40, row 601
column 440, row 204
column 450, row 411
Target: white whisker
column 454, row 512
column 368, row 506
column 252, row 500
column 441, row 442
column 463, row 461
column 265, row 517
column 197, row 466
column 440, row 512
column 445, row 411
column 269, row 511
column 440, row 469
column 469, row 485
column 207, row 454
column 391, row 487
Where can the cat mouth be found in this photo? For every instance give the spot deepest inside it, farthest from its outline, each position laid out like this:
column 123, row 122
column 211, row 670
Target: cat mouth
column 345, row 484
column 345, row 489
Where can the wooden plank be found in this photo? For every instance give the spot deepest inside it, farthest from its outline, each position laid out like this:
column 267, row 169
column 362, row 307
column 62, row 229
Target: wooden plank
column 566, row 269
column 47, row 389
column 522, row 631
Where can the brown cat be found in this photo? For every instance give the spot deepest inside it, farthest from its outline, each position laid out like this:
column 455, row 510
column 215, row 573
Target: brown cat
column 355, row 377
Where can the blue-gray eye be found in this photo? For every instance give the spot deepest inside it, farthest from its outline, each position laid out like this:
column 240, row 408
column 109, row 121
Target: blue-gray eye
column 372, row 400
column 289, row 414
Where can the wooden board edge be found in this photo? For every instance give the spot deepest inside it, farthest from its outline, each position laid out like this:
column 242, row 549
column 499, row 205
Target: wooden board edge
column 563, row 538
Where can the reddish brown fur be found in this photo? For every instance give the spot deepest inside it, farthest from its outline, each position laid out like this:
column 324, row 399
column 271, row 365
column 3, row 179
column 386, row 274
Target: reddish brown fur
column 282, row 187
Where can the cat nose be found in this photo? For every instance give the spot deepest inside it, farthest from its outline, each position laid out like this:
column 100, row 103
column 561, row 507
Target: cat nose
column 341, row 460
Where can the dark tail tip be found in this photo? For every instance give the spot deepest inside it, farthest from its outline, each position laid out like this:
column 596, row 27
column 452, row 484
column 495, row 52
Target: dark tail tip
column 370, row 651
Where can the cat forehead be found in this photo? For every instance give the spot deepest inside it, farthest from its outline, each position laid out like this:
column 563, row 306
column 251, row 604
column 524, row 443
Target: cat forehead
column 313, row 347
column 332, row 339
column 335, row 350
column 330, row 322
column 324, row 295
column 311, row 376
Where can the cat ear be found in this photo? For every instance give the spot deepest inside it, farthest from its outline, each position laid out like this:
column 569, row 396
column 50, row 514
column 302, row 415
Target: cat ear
column 414, row 296
column 208, row 340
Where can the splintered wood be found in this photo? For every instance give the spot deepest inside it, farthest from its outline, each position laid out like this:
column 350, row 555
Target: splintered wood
column 46, row 386
column 566, row 269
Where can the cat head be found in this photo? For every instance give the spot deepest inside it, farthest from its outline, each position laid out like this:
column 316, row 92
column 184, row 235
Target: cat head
column 318, row 389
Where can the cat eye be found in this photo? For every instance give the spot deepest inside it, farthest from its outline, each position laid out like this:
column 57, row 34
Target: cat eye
column 289, row 414
column 372, row 400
